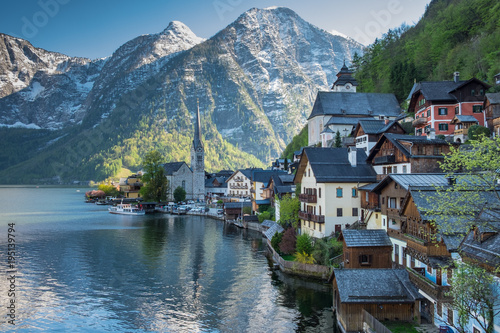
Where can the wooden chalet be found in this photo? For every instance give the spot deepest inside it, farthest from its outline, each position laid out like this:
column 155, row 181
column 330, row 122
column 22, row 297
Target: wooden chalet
column 462, row 125
column 366, row 248
column 368, row 131
column 234, row 210
column 429, row 252
column 395, row 153
column 491, row 108
column 385, row 294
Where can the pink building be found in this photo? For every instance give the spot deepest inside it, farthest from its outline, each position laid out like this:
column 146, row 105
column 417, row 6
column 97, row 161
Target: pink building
column 436, row 103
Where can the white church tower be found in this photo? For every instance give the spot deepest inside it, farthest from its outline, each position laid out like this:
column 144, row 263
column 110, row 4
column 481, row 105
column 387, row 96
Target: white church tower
column 198, row 161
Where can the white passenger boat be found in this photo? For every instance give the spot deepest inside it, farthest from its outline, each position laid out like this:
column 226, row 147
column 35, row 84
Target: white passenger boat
column 126, row 209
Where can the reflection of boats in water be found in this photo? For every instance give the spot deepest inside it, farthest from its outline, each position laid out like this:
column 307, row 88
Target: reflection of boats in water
column 126, row 209
column 179, row 210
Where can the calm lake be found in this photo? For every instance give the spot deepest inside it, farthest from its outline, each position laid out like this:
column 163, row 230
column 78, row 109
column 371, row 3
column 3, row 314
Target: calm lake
column 81, row 269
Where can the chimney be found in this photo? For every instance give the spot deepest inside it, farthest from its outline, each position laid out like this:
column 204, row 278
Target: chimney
column 351, row 152
column 431, row 134
column 456, row 76
column 386, row 121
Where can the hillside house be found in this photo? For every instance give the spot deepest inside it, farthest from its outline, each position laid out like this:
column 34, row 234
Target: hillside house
column 368, row 132
column 386, row 294
column 370, row 207
column 392, row 191
column 260, row 181
column 131, row 186
column 395, row 153
column 216, row 187
column 491, row 108
column 366, row 249
column 329, row 180
column 429, row 252
column 239, row 184
column 435, row 103
column 462, row 125
column 481, row 247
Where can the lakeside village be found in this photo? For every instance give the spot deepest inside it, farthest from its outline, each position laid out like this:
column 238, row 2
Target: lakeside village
column 405, row 226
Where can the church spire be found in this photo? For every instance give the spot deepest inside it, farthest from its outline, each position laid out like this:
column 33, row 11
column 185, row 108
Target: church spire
column 197, row 129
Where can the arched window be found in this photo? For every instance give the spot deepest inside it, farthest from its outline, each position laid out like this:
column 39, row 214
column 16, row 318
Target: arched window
column 184, row 185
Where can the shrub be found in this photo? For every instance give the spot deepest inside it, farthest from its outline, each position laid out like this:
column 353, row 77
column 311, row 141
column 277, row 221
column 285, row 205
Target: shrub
column 476, row 132
column 287, row 244
column 276, row 240
column 304, row 258
column 304, row 244
column 264, row 216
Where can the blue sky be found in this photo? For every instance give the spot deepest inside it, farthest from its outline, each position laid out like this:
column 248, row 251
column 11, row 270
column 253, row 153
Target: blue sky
column 94, row 29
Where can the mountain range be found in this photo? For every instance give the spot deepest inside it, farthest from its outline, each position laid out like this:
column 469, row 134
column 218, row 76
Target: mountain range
column 65, row 118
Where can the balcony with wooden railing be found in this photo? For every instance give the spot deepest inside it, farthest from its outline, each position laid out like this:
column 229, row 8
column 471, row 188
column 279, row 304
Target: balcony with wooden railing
column 396, row 233
column 419, row 122
column 461, row 131
column 311, row 217
column 238, row 186
column 437, row 292
column 318, row 218
column 308, row 198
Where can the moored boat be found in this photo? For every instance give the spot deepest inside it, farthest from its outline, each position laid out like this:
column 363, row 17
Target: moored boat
column 126, row 209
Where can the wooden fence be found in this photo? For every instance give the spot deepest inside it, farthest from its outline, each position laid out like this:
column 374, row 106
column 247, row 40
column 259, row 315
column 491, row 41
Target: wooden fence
column 373, row 323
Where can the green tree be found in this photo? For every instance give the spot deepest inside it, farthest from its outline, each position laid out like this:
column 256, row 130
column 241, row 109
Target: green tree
column 155, row 183
column 304, row 244
column 476, row 132
column 266, row 215
column 475, row 296
column 289, row 211
column 338, row 140
column 473, row 173
column 179, row 194
column 108, row 189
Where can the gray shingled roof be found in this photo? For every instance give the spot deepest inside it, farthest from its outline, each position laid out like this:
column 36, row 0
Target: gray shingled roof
column 366, row 237
column 465, row 119
column 355, row 104
column 372, row 126
column 405, row 180
column 272, row 230
column 231, row 205
column 267, row 223
column 340, row 120
column 263, row 176
column 222, row 181
column 440, row 90
column 375, row 286
column 436, row 90
column 332, row 165
column 286, row 178
column 172, row 167
column 487, row 251
column 494, row 98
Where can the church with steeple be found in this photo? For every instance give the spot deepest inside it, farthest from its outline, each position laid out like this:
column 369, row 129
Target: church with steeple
column 190, row 178
column 341, row 108
column 198, row 160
